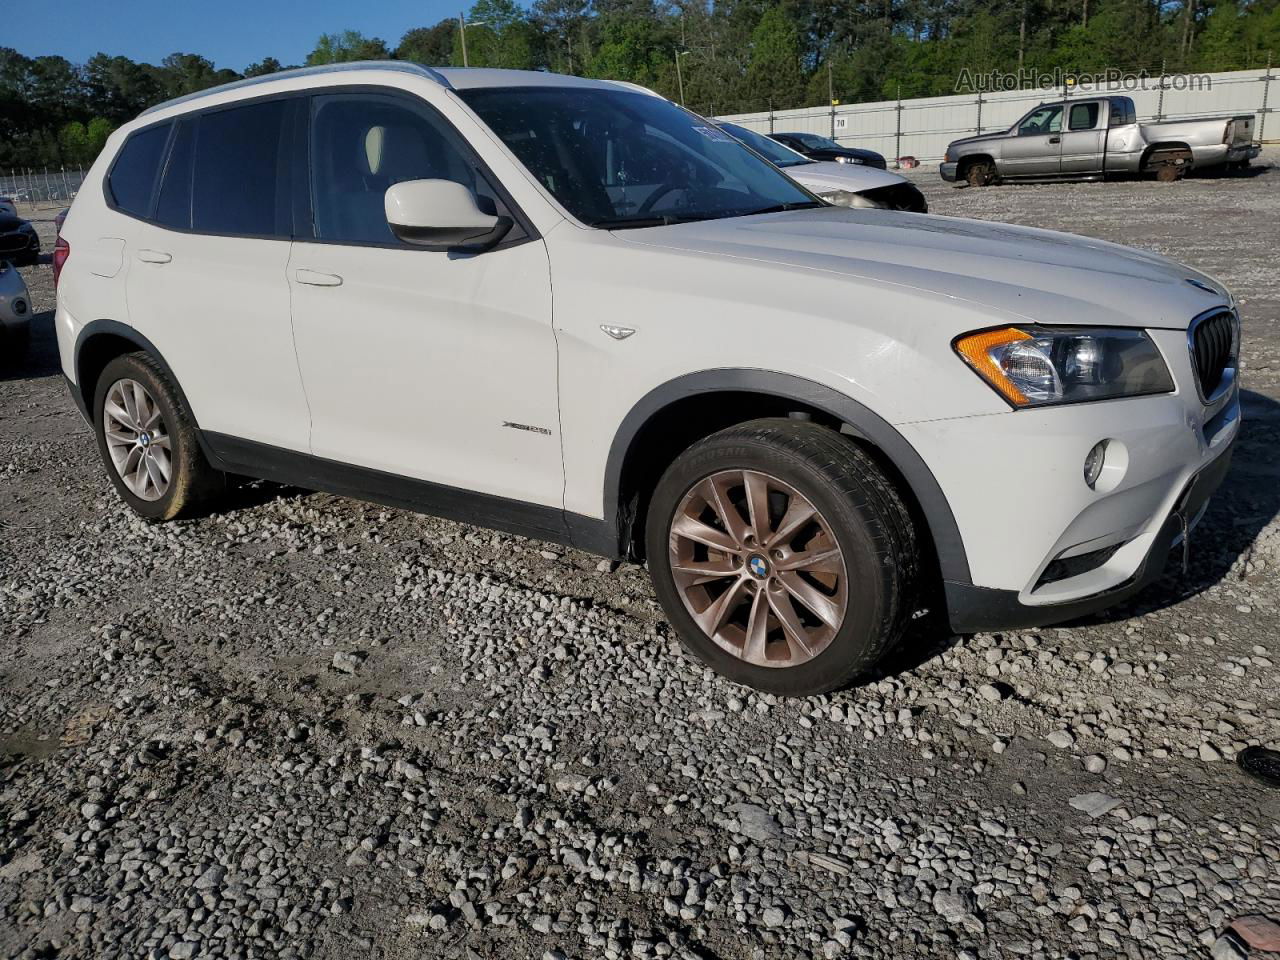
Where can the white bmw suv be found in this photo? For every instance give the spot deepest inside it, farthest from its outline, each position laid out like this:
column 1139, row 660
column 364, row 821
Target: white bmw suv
column 572, row 310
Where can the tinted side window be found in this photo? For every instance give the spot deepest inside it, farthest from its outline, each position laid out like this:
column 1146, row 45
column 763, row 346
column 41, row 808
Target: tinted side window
column 239, row 182
column 133, row 176
column 361, row 144
column 1084, row 116
column 173, row 209
column 1044, row 120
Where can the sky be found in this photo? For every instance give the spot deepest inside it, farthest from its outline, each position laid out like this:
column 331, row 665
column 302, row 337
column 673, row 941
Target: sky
column 231, row 33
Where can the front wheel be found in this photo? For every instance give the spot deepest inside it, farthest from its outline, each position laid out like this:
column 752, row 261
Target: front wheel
column 782, row 555
column 981, row 174
column 148, row 442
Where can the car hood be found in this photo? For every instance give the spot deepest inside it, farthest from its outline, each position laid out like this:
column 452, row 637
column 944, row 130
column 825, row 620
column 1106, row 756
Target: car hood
column 825, row 176
column 984, row 138
column 1024, row 274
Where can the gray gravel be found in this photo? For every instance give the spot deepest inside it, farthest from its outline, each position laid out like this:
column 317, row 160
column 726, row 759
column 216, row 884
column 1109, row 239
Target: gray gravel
column 309, row 727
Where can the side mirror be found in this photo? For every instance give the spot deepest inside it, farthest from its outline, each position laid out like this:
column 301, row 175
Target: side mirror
column 441, row 215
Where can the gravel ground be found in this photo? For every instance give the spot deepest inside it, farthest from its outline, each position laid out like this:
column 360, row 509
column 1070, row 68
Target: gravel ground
column 309, row 727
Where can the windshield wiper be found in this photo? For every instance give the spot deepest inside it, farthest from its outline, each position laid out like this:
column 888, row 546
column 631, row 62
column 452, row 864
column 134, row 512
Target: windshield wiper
column 628, row 223
column 784, row 207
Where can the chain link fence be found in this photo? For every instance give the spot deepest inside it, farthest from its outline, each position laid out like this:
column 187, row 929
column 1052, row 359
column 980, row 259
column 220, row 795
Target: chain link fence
column 923, row 127
column 45, row 189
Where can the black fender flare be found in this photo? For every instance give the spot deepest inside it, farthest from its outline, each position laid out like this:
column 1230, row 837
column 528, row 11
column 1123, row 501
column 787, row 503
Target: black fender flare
column 867, row 424
column 125, row 332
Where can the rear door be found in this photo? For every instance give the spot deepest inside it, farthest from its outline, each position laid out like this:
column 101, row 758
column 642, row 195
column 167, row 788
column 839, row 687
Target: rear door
column 206, row 280
column 1036, row 148
column 1083, row 139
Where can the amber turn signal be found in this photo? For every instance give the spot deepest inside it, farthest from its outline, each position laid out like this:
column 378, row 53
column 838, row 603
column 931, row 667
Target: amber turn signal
column 977, row 349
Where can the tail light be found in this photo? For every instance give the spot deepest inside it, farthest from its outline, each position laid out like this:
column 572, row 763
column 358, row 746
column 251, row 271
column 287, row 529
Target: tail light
column 61, row 253
column 1229, row 131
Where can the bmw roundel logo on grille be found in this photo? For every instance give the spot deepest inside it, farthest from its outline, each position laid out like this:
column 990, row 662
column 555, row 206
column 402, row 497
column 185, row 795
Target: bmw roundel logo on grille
column 758, row 566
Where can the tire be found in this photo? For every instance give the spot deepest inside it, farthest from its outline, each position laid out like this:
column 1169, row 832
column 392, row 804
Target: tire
column 979, row 174
column 857, row 508
column 192, row 484
column 1170, row 173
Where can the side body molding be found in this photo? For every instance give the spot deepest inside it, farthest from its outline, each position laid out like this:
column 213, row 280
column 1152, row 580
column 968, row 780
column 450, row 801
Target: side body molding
column 866, row 423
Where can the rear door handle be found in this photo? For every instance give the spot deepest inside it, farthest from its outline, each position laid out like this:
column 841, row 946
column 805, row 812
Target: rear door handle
column 314, row 278
column 154, row 256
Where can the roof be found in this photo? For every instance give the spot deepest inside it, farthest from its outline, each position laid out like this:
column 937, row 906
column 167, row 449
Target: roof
column 453, row 78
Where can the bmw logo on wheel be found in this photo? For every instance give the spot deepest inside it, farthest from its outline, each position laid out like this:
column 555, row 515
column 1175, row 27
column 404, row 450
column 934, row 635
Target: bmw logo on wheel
column 758, row 566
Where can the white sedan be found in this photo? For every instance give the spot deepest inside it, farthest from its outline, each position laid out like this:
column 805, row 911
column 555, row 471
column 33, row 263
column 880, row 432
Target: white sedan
column 845, row 184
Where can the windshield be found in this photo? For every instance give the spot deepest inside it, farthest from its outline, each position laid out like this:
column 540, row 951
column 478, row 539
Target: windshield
column 771, row 150
column 815, row 142
column 622, row 158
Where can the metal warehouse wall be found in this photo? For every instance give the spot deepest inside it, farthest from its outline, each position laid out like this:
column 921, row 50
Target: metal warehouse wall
column 922, row 128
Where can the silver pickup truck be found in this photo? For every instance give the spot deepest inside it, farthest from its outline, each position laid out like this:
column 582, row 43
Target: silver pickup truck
column 1087, row 139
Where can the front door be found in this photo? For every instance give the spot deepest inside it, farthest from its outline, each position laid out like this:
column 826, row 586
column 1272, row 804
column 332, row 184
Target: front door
column 433, row 366
column 1083, row 139
column 1036, row 149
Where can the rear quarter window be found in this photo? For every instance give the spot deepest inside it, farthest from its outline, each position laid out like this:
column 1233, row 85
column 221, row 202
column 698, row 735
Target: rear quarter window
column 132, row 181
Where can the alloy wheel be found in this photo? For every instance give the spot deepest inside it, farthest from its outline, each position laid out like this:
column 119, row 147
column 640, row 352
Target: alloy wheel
column 137, row 439
column 758, row 568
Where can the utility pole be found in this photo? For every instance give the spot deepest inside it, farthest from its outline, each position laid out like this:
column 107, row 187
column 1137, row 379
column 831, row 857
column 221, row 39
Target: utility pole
column 679, row 75
column 462, row 29
column 1022, row 38
column 831, row 97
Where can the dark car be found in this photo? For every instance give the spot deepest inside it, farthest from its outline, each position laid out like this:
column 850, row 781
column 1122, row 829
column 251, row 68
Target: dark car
column 824, row 148
column 19, row 242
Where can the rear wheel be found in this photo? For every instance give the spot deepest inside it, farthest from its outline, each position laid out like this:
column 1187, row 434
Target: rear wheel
column 782, row 555
column 980, row 174
column 148, row 443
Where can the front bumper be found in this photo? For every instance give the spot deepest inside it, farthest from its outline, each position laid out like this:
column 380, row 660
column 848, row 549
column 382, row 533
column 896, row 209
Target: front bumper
column 948, row 171
column 15, row 303
column 1040, row 544
column 973, row 609
column 19, row 246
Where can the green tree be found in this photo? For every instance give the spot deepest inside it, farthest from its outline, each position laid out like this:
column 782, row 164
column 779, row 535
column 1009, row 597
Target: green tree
column 560, row 25
column 429, row 45
column 263, row 67
column 774, row 73
column 346, row 47
column 73, row 141
column 119, row 88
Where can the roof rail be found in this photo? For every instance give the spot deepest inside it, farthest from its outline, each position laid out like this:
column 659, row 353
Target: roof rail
column 398, row 66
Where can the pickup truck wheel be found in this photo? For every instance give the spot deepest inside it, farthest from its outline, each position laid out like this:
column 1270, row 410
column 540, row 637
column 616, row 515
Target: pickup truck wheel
column 782, row 555
column 148, row 443
column 979, row 174
column 1170, row 172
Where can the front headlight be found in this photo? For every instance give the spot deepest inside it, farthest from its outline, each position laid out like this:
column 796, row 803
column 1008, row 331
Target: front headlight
column 847, row 198
column 1038, row 366
column 848, row 159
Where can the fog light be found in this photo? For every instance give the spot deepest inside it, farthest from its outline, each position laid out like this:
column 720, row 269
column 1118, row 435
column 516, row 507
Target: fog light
column 1093, row 463
column 19, row 307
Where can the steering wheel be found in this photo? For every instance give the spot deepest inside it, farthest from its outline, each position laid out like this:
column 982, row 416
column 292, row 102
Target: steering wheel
column 661, row 191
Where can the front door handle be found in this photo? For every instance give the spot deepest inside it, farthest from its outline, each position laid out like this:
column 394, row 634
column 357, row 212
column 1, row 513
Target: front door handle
column 154, row 256
column 313, row 278
column 1055, row 139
